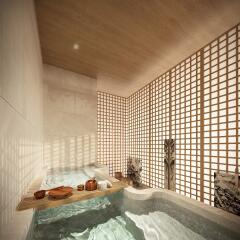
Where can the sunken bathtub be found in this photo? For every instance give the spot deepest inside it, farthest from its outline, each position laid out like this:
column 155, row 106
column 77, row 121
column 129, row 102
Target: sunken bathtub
column 132, row 214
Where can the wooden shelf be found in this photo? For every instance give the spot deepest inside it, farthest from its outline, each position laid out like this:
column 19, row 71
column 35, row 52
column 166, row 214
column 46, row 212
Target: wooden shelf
column 31, row 202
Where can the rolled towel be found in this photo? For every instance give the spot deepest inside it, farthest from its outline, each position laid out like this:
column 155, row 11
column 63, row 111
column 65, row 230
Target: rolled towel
column 103, row 185
column 109, row 184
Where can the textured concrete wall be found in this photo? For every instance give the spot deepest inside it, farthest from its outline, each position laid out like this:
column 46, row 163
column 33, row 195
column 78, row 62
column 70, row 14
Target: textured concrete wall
column 20, row 112
column 70, row 118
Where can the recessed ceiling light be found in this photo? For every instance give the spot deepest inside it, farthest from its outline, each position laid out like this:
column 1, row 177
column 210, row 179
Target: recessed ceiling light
column 75, row 46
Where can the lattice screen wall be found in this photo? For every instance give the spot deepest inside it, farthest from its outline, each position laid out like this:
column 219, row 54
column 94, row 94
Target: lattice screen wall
column 112, row 130
column 185, row 124
column 159, row 128
column 221, row 107
column 138, row 130
column 197, row 103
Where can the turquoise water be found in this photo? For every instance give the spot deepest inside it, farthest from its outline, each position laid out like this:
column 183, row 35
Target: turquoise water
column 118, row 218
column 67, row 177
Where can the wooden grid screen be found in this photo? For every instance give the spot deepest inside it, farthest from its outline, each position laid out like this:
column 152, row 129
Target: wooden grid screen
column 185, row 124
column 159, row 128
column 197, row 103
column 111, row 121
column 138, row 130
column 221, row 102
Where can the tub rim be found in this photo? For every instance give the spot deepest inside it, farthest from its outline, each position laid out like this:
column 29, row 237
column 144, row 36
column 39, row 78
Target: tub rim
column 217, row 215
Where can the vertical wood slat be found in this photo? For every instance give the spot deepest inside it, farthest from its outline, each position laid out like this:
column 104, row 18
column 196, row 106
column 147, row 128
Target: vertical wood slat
column 197, row 139
column 201, row 126
column 210, row 128
column 237, row 97
column 180, row 138
column 175, row 122
column 170, row 104
column 190, row 129
column 227, row 110
column 149, row 135
column 185, row 127
column 218, row 109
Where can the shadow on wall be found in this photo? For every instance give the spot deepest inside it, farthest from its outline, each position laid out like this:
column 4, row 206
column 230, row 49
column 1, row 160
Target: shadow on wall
column 70, row 152
column 18, row 156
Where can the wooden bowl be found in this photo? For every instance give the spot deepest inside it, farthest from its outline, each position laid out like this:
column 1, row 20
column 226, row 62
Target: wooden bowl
column 80, row 187
column 118, row 175
column 60, row 193
column 91, row 185
column 40, row 194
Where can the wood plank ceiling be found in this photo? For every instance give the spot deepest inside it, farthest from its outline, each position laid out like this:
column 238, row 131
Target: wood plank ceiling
column 127, row 43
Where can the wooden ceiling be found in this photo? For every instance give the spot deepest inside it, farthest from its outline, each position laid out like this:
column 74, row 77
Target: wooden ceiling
column 127, row 43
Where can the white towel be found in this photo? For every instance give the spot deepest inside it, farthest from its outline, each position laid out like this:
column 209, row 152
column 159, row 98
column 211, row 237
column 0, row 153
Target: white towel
column 103, row 185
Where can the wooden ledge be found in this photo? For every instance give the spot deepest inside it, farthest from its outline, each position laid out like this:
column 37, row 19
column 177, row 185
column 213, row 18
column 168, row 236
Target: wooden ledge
column 31, row 202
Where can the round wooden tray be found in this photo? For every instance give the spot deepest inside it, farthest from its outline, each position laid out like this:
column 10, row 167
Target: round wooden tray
column 61, row 192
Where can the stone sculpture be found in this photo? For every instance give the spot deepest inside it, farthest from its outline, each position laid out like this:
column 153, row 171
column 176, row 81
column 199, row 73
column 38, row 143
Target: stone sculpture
column 134, row 171
column 169, row 164
column 226, row 192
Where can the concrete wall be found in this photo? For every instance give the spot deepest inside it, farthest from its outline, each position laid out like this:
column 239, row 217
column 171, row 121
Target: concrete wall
column 20, row 112
column 70, row 118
